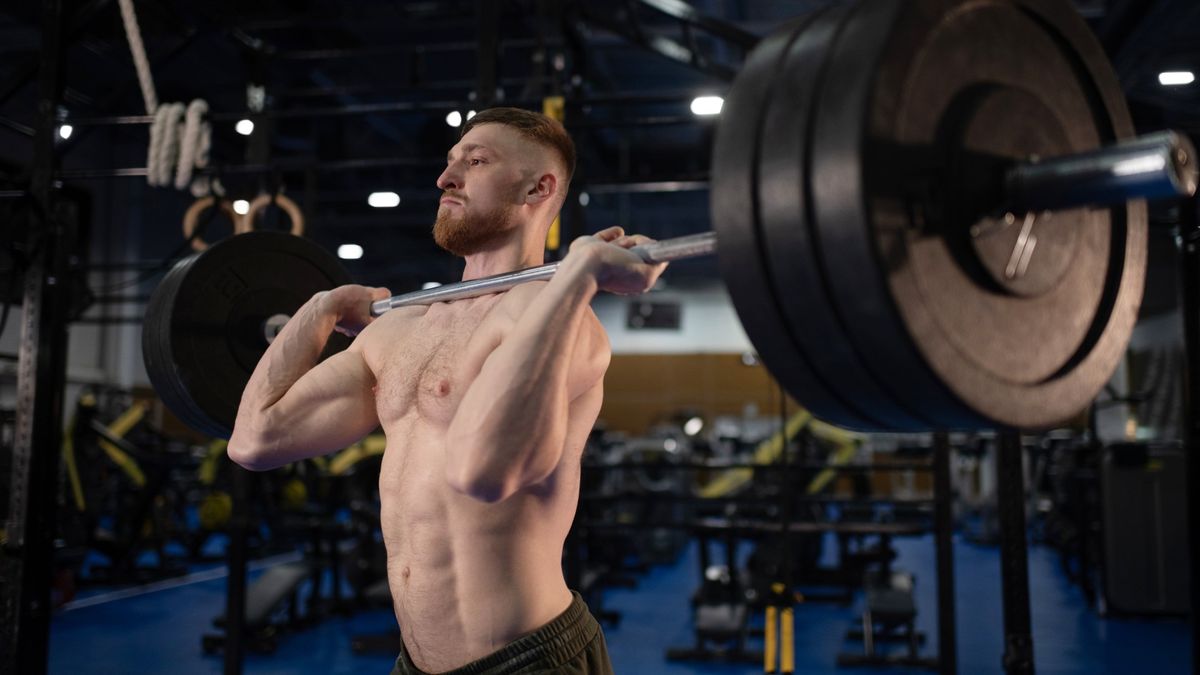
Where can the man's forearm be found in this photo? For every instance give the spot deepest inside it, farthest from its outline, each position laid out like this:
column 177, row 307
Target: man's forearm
column 292, row 354
column 512, row 421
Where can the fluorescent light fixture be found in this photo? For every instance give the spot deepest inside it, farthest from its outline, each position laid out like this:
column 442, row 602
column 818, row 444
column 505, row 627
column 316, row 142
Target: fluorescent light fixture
column 454, row 118
column 64, row 131
column 383, row 200
column 241, row 207
column 244, row 127
column 707, row 105
column 429, row 284
column 350, row 251
column 1175, row 78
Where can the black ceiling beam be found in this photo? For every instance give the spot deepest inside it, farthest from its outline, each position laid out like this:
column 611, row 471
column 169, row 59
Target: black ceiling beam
column 332, row 53
column 682, row 11
column 13, row 125
column 79, row 22
column 625, row 21
column 122, row 90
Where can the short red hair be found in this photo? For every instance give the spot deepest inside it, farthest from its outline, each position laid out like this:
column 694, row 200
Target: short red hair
column 539, row 128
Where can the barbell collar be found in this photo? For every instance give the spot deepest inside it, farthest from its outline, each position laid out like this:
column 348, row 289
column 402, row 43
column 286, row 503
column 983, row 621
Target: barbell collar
column 667, row 250
column 1155, row 166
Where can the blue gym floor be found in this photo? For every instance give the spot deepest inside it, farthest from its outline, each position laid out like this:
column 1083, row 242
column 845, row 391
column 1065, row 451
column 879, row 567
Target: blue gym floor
column 159, row 631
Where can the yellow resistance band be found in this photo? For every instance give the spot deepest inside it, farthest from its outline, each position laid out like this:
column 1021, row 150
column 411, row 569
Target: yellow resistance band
column 766, row 453
column 770, row 649
column 368, row 447
column 119, row 428
column 68, row 453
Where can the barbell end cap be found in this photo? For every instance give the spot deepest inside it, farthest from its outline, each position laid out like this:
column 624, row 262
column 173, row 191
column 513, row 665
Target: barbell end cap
column 1185, row 171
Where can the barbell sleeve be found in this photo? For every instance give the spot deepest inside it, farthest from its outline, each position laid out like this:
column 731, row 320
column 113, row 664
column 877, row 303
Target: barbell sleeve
column 667, row 250
column 1154, row 166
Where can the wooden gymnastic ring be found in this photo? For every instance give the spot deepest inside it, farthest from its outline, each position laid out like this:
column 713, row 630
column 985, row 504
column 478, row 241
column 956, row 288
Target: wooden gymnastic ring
column 282, row 201
column 192, row 216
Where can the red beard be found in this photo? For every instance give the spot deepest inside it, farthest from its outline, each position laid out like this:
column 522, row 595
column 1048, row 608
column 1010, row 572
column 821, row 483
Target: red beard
column 467, row 233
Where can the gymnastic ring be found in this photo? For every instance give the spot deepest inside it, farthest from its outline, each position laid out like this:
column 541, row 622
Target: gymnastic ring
column 282, row 201
column 192, row 215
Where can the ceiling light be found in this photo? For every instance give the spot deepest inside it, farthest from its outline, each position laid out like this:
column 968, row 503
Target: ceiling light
column 470, row 114
column 244, row 127
column 584, row 199
column 1174, row 78
column 350, row 251
column 693, row 426
column 454, row 118
column 64, row 132
column 241, row 207
column 707, row 105
column 383, row 200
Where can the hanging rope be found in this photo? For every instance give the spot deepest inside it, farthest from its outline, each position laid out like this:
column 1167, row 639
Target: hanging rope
column 180, row 138
column 129, row 18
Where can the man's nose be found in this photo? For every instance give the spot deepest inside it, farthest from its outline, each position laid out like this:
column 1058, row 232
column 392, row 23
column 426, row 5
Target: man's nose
column 449, row 180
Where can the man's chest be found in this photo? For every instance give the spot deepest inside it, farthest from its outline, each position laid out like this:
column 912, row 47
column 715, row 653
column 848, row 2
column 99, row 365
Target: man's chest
column 427, row 365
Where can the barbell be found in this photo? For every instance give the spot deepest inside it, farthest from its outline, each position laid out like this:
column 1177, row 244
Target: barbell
column 930, row 216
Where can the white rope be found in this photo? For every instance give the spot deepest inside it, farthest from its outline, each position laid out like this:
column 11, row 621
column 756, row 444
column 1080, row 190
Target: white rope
column 179, row 140
column 129, row 18
column 161, row 158
column 194, row 144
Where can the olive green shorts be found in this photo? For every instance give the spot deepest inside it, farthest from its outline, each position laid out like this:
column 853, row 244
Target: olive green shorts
column 572, row 644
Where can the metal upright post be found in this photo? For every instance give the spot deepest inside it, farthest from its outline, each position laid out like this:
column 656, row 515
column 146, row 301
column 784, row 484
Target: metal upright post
column 1190, row 280
column 1014, row 562
column 235, row 591
column 26, row 556
column 943, row 527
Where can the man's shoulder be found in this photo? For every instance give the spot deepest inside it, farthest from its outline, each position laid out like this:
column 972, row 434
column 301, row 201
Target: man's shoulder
column 517, row 298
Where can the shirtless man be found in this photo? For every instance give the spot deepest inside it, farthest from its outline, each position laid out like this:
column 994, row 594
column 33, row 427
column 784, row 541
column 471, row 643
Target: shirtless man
column 486, row 404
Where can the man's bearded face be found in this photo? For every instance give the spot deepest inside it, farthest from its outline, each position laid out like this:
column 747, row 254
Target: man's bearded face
column 464, row 232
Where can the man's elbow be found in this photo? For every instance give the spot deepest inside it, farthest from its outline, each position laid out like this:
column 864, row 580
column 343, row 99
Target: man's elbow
column 495, row 485
column 481, row 487
column 250, row 451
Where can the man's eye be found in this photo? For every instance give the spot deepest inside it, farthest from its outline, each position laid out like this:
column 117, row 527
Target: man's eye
column 475, row 160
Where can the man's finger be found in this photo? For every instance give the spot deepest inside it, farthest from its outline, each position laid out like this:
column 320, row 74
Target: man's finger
column 610, row 233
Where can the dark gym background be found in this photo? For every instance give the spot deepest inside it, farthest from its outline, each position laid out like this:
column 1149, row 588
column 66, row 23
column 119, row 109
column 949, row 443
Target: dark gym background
column 358, row 97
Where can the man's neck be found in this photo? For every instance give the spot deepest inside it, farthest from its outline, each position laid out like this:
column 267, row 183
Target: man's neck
column 515, row 254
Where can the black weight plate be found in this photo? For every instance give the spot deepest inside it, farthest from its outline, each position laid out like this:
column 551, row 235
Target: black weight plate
column 734, row 212
column 784, row 199
column 986, row 322
column 156, row 343
column 204, row 330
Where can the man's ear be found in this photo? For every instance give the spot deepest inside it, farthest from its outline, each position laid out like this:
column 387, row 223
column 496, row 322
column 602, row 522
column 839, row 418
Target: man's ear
column 545, row 187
